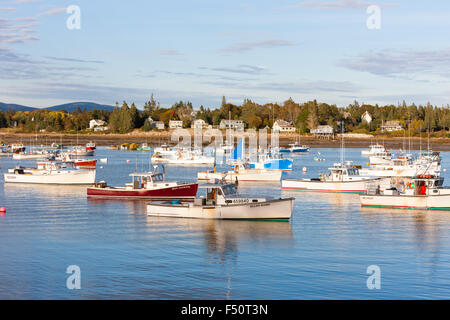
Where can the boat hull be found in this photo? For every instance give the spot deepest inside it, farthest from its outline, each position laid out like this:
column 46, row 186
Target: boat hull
column 180, row 192
column 330, row 186
column 181, row 162
column 275, row 164
column 75, row 177
column 419, row 202
column 19, row 156
column 78, row 154
column 86, row 164
column 295, row 150
column 280, row 209
column 263, row 176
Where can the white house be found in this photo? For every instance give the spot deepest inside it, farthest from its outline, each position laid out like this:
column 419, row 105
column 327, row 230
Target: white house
column 390, row 126
column 199, row 124
column 366, row 117
column 283, row 126
column 159, row 125
column 175, row 124
column 232, row 124
column 323, row 132
column 97, row 125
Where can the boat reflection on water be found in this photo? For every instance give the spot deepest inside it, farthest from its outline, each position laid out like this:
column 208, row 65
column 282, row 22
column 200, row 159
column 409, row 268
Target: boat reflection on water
column 47, row 191
column 337, row 200
column 426, row 227
column 222, row 237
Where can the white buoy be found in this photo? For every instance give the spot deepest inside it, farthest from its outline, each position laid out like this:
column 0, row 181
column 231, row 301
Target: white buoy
column 304, row 169
column 101, row 167
column 128, row 161
column 445, row 170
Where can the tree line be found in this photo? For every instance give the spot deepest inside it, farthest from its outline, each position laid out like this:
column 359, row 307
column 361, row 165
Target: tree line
column 304, row 116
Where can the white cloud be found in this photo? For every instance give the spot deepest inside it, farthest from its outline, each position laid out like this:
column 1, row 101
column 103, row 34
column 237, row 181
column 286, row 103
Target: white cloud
column 247, row 46
column 402, row 63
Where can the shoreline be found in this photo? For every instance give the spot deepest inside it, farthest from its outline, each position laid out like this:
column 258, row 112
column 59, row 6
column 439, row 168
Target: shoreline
column 154, row 138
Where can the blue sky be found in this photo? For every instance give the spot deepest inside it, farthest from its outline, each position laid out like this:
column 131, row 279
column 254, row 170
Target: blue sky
column 199, row 51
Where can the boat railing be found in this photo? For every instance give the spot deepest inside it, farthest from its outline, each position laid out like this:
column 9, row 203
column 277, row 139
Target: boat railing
column 372, row 188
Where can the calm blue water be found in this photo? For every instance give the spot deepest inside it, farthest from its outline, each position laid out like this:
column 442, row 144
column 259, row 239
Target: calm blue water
column 323, row 253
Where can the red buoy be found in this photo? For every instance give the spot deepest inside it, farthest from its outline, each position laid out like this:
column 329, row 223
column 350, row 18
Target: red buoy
column 2, row 210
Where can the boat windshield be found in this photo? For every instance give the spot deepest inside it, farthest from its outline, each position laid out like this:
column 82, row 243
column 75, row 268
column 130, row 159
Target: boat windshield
column 158, row 177
column 353, row 171
column 229, row 189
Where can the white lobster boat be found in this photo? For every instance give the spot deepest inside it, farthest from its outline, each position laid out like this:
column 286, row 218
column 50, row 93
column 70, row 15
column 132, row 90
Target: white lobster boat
column 343, row 178
column 182, row 157
column 53, row 173
column 380, row 158
column 406, row 166
column 242, row 172
column 29, row 156
column 222, row 202
column 373, row 149
column 424, row 192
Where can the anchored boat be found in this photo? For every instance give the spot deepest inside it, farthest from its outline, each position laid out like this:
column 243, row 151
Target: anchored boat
column 373, row 149
column 222, row 202
column 182, row 157
column 52, row 173
column 295, row 148
column 242, row 172
column 343, row 178
column 147, row 185
column 423, row 192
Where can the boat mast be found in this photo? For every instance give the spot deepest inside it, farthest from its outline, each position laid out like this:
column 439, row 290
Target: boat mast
column 342, row 143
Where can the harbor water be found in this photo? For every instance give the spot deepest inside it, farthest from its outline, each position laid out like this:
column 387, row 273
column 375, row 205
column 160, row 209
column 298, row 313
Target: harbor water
column 322, row 253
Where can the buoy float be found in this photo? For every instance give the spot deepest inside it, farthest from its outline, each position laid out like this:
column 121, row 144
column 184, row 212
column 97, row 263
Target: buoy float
column 128, row 161
column 304, row 169
column 2, row 210
column 445, row 170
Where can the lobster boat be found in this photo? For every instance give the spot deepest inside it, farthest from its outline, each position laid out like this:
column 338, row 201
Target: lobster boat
column 342, row 178
column 147, row 185
column 242, row 172
column 424, row 192
column 223, row 202
column 51, row 173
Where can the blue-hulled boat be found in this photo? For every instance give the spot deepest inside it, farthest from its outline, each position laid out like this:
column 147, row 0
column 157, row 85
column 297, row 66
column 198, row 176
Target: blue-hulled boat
column 295, row 148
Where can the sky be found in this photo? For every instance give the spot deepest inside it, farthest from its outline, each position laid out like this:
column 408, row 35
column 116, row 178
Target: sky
column 198, row 51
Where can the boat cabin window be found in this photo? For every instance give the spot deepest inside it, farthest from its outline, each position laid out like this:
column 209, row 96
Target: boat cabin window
column 157, row 177
column 229, row 189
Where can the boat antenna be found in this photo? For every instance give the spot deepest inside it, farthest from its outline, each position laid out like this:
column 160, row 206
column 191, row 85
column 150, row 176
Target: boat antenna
column 342, row 142
column 214, row 169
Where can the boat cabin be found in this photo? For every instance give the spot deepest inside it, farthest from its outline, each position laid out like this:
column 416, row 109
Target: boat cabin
column 341, row 172
column 145, row 180
column 222, row 194
column 425, row 184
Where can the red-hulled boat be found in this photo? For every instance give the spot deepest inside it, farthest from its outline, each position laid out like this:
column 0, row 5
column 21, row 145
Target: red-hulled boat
column 85, row 164
column 148, row 185
column 90, row 146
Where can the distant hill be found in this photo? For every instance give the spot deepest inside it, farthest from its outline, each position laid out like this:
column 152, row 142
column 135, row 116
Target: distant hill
column 15, row 107
column 69, row 107
column 73, row 106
